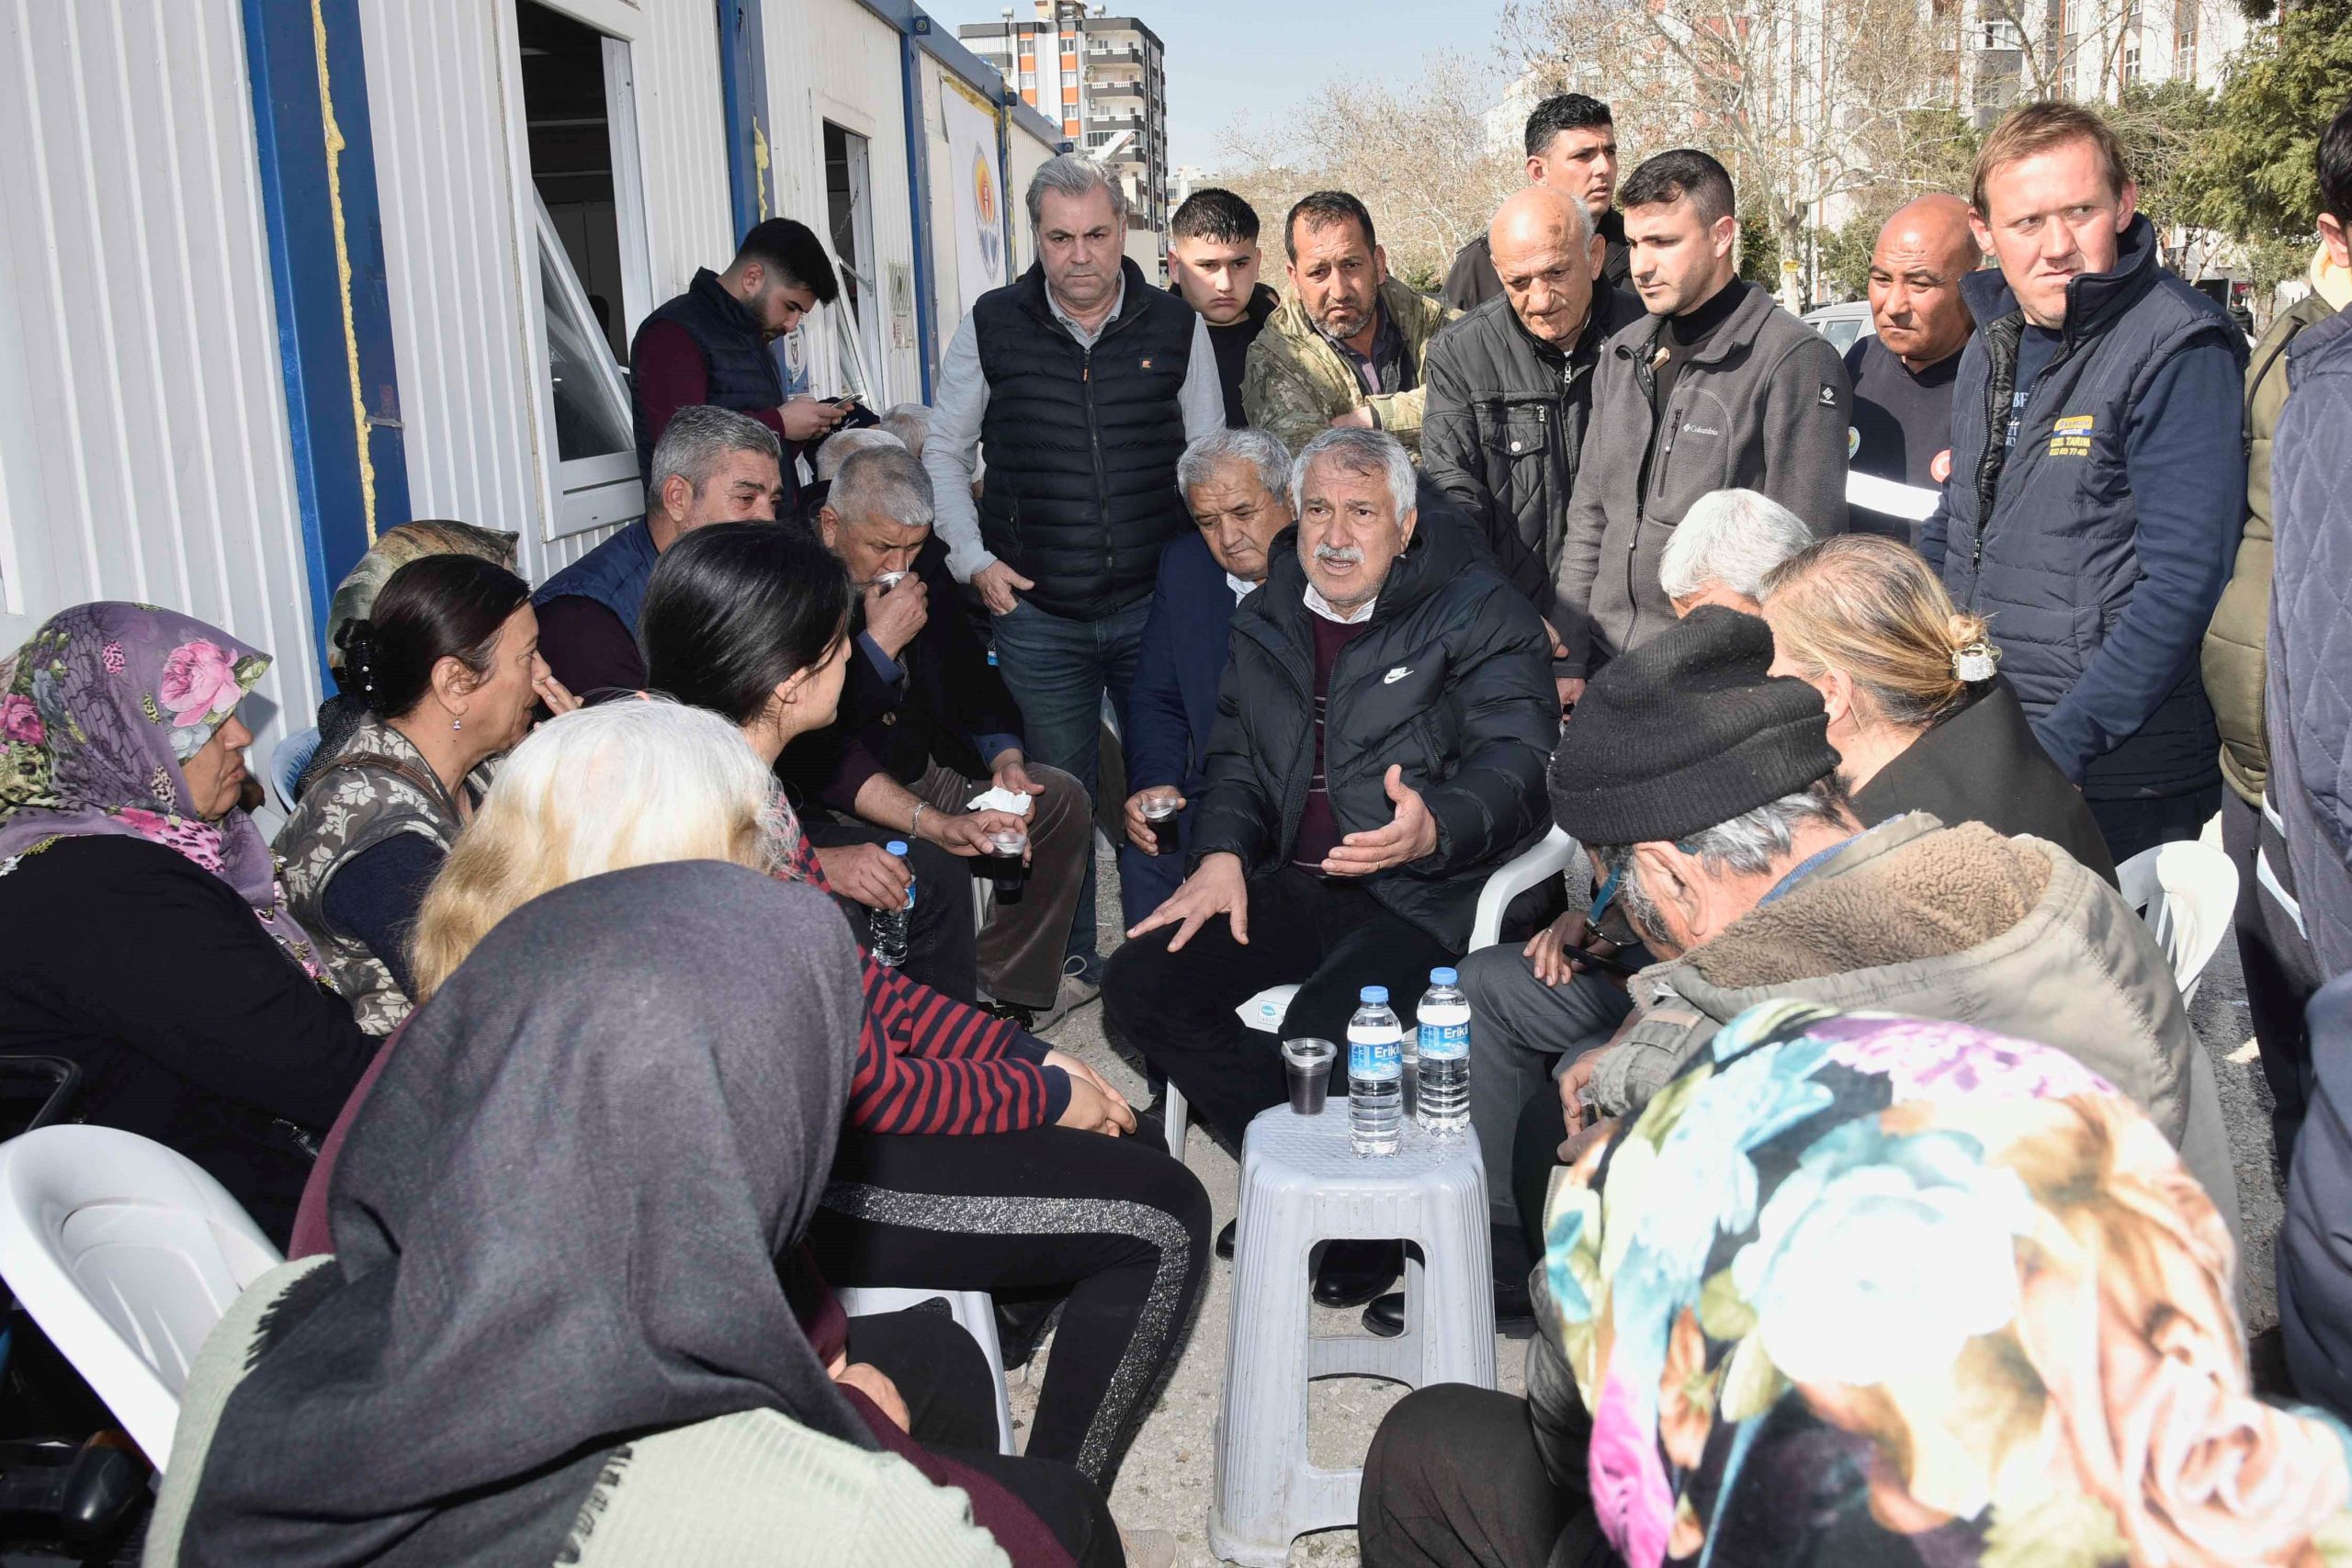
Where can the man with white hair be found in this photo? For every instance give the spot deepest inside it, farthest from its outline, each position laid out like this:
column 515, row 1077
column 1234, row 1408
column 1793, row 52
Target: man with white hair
column 1380, row 746
column 1723, row 548
column 1236, row 485
column 911, row 422
column 925, row 726
column 1083, row 383
column 835, row 449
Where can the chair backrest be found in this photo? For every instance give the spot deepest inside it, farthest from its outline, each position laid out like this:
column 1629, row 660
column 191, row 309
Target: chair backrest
column 2185, row 892
column 126, row 1253
column 287, row 760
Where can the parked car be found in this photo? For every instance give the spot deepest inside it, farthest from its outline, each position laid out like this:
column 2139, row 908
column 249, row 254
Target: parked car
column 1844, row 325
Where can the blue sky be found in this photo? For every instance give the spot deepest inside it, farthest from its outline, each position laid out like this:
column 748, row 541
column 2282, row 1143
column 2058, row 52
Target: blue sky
column 1230, row 57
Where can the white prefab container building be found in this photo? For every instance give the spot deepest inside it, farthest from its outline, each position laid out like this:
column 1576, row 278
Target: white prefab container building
column 275, row 278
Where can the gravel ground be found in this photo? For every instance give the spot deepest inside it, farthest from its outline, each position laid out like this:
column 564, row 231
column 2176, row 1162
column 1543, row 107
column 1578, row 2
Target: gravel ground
column 1166, row 1483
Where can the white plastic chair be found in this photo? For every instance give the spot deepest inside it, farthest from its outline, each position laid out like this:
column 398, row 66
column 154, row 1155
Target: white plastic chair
column 2185, row 891
column 973, row 1311
column 1552, row 855
column 126, row 1253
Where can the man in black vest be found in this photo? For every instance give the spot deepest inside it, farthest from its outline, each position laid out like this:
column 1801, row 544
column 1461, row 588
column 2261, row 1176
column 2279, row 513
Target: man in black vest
column 1083, row 384
column 2098, row 482
column 710, row 344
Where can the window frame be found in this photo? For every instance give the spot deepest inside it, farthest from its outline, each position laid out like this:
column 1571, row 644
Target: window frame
column 584, row 494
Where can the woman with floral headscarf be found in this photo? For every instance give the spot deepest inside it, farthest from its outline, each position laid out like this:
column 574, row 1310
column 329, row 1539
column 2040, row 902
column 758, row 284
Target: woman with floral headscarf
column 148, row 938
column 1860, row 1290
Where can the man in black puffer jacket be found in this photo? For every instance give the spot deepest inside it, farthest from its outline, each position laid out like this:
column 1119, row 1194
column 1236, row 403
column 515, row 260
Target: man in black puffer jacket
column 1380, row 746
column 1510, row 383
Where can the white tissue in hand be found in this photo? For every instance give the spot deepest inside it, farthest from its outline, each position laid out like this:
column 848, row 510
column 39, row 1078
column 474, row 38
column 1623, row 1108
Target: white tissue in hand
column 1010, row 800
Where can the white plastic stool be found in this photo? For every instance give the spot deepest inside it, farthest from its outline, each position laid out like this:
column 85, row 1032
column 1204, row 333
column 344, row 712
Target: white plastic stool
column 973, row 1311
column 1302, row 1184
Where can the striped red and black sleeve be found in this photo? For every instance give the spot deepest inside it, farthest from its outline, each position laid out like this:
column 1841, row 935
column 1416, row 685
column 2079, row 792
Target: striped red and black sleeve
column 930, row 1065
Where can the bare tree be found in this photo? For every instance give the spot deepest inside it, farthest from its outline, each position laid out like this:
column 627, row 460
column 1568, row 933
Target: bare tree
column 1811, row 104
column 1417, row 154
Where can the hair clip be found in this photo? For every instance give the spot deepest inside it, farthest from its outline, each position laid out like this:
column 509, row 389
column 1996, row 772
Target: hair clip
column 1974, row 662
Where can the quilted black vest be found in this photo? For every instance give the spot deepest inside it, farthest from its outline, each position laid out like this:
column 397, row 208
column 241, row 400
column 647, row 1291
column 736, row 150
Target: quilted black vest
column 1081, row 444
column 742, row 372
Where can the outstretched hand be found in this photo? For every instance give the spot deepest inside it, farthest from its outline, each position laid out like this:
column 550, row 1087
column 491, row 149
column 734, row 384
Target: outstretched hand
column 1216, row 887
column 1409, row 836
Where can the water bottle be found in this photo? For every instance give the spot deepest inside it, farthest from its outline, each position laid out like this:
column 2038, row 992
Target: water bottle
column 888, row 929
column 1375, row 1075
column 1445, row 1018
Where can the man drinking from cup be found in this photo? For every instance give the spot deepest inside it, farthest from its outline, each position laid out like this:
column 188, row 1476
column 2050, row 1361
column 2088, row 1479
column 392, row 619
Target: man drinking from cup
column 926, row 727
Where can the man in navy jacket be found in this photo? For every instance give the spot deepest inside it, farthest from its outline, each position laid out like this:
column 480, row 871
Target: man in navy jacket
column 2097, row 485
column 1235, row 483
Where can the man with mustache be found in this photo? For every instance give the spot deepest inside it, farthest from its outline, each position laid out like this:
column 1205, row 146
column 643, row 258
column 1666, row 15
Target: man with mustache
column 1903, row 372
column 1347, row 348
column 1571, row 149
column 2097, row 486
column 1379, row 748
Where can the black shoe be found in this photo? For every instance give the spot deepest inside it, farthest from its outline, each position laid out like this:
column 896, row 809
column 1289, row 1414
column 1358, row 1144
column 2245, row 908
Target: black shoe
column 1224, row 1240
column 1021, row 1018
column 1352, row 1272
column 1514, row 1314
column 1020, row 1326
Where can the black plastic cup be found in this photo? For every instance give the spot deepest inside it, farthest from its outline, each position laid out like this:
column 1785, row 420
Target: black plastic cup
column 1307, row 1064
column 1005, row 867
column 1160, row 811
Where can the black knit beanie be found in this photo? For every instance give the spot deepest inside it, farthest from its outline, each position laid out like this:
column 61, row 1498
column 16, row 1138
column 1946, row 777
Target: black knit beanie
column 1687, row 732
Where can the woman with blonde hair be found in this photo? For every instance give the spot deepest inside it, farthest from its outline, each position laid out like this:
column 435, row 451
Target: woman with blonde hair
column 635, row 784
column 1920, row 718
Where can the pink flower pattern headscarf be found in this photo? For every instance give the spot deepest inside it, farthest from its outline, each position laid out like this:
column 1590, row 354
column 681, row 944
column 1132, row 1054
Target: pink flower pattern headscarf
column 98, row 712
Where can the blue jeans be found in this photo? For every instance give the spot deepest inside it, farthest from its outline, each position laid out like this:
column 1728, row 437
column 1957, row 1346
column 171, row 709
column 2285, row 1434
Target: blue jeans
column 1058, row 670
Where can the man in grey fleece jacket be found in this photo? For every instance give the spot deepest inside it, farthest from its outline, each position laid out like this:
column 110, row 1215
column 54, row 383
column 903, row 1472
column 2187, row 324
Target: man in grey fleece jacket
column 1717, row 388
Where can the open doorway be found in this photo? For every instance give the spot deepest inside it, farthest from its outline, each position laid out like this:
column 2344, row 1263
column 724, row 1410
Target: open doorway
column 580, row 124
column 849, row 208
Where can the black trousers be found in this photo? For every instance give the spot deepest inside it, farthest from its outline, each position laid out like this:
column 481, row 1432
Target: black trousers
column 2130, row 826
column 950, row 1392
column 1534, row 1156
column 942, row 946
column 1454, row 1479
column 1332, row 935
column 2280, row 976
column 1119, row 1228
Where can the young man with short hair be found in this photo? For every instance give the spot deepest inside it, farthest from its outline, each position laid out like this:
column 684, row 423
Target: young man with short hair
column 1572, row 148
column 1717, row 388
column 710, row 344
column 2098, row 474
column 1213, row 262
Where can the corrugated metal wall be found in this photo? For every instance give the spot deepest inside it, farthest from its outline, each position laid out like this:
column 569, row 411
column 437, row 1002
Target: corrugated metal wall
column 437, row 98
column 835, row 59
column 142, row 415
column 444, row 92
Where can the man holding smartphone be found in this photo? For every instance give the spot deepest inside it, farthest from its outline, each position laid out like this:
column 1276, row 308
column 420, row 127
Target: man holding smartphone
column 711, row 344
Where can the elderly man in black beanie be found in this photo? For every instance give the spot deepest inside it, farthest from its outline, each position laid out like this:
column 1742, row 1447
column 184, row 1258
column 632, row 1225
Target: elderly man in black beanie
column 1705, row 792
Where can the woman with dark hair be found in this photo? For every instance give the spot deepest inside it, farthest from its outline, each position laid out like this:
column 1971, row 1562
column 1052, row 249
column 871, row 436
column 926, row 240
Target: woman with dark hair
column 148, row 939
column 975, row 1156
column 448, row 667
